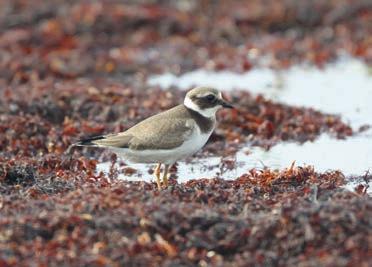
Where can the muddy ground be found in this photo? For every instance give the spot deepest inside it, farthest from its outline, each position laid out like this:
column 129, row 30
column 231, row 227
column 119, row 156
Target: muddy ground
column 71, row 69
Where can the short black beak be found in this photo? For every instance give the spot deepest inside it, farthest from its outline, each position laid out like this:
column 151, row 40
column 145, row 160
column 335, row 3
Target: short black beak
column 225, row 104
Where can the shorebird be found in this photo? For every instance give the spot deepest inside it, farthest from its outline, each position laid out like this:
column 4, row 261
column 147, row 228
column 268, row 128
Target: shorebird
column 168, row 136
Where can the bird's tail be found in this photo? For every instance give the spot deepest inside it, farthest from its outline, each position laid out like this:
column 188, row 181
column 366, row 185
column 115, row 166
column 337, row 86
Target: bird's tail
column 85, row 142
column 90, row 141
column 110, row 140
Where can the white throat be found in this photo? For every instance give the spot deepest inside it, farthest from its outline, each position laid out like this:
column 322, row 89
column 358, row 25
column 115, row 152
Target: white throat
column 208, row 113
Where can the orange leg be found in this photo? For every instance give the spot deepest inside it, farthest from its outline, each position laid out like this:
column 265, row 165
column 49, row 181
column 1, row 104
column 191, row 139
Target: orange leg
column 165, row 175
column 157, row 175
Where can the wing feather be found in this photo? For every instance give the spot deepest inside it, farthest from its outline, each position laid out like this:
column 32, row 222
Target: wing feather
column 165, row 130
column 160, row 134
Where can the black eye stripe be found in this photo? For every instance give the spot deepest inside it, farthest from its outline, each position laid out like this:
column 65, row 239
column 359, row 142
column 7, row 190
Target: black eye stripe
column 210, row 97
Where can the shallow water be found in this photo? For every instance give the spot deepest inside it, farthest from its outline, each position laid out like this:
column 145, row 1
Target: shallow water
column 352, row 156
column 343, row 87
column 352, row 184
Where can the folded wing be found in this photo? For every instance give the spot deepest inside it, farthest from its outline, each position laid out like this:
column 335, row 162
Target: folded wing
column 158, row 133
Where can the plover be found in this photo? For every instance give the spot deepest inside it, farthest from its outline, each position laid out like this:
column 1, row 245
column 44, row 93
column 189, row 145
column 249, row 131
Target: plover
column 168, row 136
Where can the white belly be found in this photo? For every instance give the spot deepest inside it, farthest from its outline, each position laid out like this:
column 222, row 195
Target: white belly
column 167, row 156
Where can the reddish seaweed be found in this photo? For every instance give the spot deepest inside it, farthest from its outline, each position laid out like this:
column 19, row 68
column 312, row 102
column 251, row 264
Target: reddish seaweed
column 70, row 69
column 264, row 217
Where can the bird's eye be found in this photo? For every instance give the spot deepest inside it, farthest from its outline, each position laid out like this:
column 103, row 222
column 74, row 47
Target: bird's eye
column 210, row 97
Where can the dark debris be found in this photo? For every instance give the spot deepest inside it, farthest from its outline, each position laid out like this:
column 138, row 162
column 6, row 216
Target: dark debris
column 72, row 69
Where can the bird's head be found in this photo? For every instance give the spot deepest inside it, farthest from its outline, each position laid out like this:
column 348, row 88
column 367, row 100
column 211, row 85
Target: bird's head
column 206, row 101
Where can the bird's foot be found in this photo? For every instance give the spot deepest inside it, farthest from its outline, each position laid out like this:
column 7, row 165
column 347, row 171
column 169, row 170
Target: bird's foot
column 159, row 184
column 165, row 182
